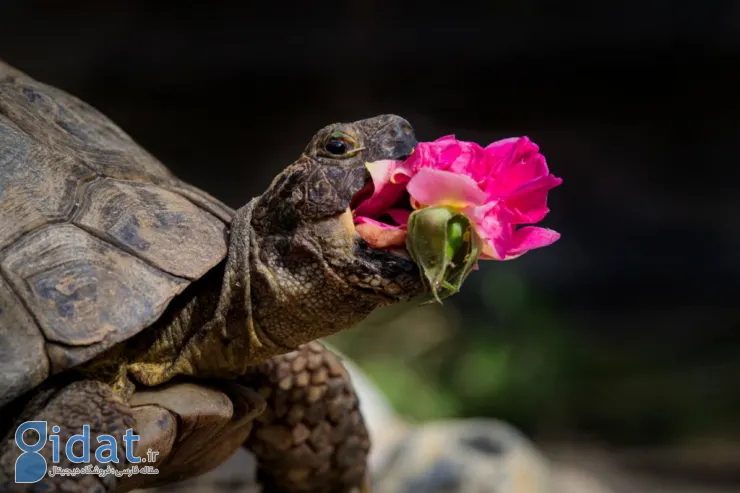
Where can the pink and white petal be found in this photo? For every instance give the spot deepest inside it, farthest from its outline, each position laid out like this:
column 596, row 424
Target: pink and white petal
column 385, row 193
column 525, row 147
column 379, row 235
column 438, row 187
column 438, row 154
column 470, row 162
column 444, row 153
column 522, row 170
column 493, row 223
column 488, row 252
column 450, row 137
column 529, row 202
column 415, row 204
column 420, row 155
column 446, row 156
column 499, row 154
column 530, row 238
column 380, row 171
column 401, row 174
column 498, row 247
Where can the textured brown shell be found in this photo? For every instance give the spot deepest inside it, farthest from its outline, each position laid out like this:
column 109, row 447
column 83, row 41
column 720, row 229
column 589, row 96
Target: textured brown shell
column 96, row 235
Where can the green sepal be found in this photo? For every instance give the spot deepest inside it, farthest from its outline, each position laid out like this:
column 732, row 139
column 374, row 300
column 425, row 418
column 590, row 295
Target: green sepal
column 445, row 246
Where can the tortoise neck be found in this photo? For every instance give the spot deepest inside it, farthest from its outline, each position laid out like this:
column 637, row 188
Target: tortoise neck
column 233, row 340
column 274, row 292
column 207, row 331
column 174, row 345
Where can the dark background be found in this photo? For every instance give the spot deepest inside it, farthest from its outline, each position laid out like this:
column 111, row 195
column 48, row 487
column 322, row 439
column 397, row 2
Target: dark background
column 627, row 330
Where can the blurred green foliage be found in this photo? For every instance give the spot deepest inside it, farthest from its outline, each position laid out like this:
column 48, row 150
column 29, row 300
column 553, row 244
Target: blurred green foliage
column 500, row 349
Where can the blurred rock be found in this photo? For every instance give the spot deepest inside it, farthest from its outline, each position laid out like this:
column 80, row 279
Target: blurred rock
column 465, row 456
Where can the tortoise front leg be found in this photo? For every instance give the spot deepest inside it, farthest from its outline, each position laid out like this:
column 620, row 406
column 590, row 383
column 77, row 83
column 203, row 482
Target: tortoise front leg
column 312, row 437
column 69, row 407
column 194, row 427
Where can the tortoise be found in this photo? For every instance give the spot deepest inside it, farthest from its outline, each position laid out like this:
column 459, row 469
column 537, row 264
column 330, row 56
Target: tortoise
column 131, row 299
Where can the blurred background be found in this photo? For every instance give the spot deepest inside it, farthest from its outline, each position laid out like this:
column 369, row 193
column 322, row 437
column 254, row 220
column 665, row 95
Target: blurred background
column 617, row 348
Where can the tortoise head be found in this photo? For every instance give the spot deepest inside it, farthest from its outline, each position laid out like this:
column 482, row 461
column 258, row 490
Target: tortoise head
column 310, row 253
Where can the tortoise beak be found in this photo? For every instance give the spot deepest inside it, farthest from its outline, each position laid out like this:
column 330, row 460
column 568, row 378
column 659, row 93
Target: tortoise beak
column 394, row 140
column 391, row 139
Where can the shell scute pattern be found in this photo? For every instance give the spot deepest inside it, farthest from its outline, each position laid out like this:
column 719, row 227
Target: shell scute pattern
column 96, row 236
column 37, row 185
column 154, row 224
column 62, row 122
column 82, row 290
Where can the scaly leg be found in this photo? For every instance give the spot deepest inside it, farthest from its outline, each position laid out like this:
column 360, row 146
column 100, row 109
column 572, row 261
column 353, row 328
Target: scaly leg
column 312, row 437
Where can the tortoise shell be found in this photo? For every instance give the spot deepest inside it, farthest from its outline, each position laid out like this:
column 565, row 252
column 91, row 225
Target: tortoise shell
column 96, row 235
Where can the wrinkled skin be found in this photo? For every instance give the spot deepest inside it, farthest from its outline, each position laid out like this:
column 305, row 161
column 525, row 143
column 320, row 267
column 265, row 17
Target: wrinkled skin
column 296, row 271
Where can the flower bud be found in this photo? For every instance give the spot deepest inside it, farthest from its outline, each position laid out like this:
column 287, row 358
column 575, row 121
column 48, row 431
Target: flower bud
column 445, row 246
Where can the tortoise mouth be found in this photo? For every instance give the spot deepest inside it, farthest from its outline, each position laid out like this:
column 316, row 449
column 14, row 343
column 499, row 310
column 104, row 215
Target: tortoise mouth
column 364, row 194
column 380, row 212
column 387, row 230
column 382, row 243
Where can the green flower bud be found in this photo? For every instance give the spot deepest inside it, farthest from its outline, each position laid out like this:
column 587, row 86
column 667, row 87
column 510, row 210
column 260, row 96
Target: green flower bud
column 445, row 246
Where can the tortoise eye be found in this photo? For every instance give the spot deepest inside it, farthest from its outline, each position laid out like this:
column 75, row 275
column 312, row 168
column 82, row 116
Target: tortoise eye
column 336, row 147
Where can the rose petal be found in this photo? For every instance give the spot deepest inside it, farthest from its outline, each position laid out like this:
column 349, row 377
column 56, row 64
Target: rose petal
column 504, row 153
column 378, row 224
column 437, row 187
column 529, row 238
column 438, row 154
column 400, row 175
column 529, row 202
column 470, row 161
column 445, row 138
column 379, row 235
column 448, row 154
column 499, row 154
column 514, row 162
column 493, row 223
column 385, row 192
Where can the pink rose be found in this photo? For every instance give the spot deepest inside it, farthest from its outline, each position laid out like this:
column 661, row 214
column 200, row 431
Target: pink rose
column 499, row 188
